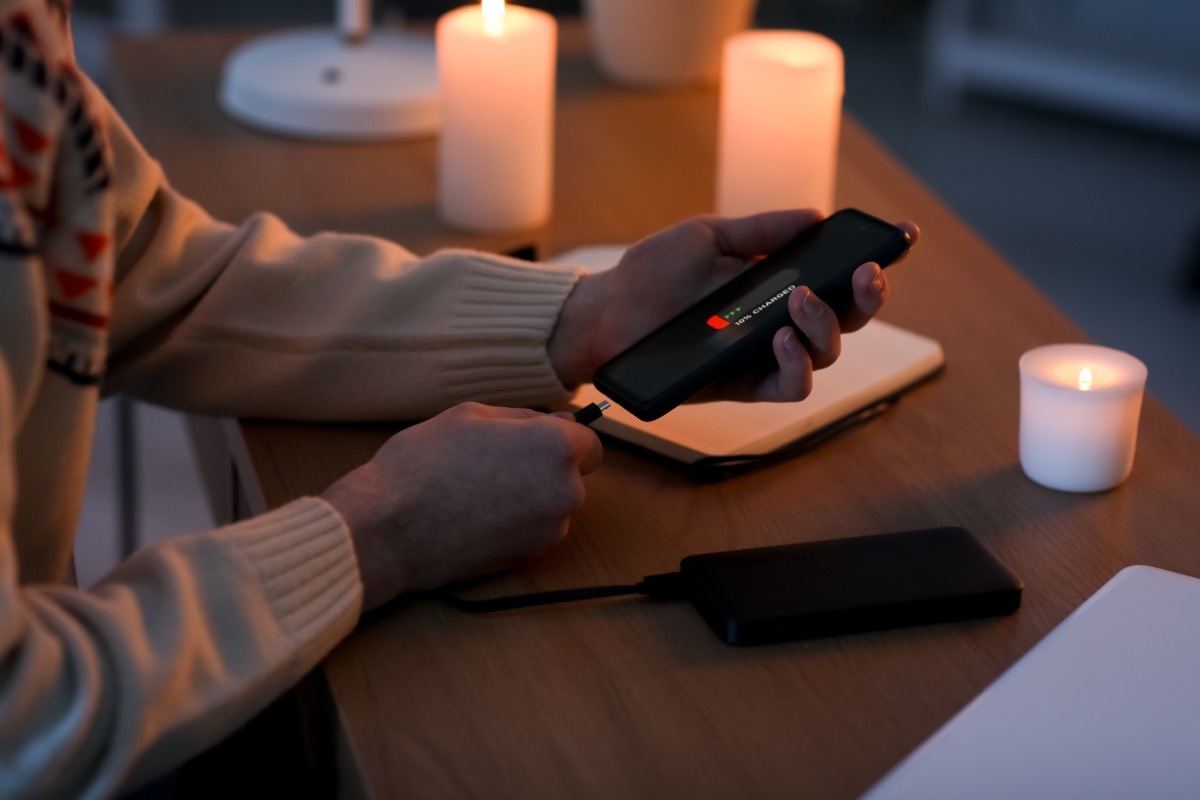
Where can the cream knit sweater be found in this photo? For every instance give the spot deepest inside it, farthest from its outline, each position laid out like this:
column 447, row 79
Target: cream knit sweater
column 105, row 688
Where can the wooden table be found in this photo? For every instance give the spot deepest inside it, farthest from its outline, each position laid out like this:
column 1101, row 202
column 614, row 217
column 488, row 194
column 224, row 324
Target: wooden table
column 629, row 698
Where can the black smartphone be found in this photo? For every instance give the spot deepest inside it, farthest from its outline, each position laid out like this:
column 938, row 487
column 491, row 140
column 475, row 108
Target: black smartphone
column 839, row 586
column 733, row 324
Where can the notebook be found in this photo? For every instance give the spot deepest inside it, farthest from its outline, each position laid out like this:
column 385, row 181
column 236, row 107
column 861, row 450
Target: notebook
column 1106, row 706
column 877, row 363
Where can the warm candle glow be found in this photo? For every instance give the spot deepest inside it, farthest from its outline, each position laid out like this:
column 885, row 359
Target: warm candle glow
column 493, row 16
column 1085, row 379
column 779, row 122
column 1079, row 415
column 496, row 79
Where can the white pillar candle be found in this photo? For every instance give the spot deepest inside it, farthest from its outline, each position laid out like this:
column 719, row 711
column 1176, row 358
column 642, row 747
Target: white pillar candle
column 1079, row 415
column 781, row 112
column 495, row 159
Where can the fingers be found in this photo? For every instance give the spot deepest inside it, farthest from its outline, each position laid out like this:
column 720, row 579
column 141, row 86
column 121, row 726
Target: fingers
column 759, row 234
column 816, row 340
column 585, row 449
column 583, row 445
column 913, row 231
column 787, row 379
column 871, row 287
column 871, row 290
column 470, row 491
column 793, row 380
column 819, row 324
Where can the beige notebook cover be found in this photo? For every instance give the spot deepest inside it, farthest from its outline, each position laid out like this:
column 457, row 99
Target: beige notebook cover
column 876, row 363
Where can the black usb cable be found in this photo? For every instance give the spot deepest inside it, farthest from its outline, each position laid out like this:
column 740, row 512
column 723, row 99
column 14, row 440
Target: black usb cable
column 667, row 586
column 656, row 586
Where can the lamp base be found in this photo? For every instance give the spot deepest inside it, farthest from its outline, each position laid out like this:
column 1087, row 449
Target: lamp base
column 312, row 84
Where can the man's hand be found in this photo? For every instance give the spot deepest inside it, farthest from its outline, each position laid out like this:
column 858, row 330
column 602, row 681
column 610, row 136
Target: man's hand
column 665, row 273
column 474, row 490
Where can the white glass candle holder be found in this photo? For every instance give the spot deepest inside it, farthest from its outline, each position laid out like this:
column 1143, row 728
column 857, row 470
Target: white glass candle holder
column 781, row 113
column 1079, row 415
column 495, row 156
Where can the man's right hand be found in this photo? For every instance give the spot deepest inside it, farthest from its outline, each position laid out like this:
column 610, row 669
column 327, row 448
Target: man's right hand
column 474, row 490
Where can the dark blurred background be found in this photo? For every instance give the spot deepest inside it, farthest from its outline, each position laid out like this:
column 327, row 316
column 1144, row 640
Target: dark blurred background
column 1067, row 133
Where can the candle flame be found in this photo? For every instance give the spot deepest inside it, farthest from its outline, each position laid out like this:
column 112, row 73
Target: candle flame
column 493, row 16
column 1085, row 379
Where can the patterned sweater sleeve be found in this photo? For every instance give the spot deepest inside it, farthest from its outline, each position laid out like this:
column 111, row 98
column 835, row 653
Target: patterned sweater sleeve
column 104, row 688
column 255, row 320
column 100, row 689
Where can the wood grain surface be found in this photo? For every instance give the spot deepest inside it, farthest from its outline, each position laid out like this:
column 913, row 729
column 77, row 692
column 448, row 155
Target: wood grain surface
column 630, row 698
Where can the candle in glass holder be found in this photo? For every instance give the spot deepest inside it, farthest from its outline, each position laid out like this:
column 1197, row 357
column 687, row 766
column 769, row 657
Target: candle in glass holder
column 1079, row 415
column 495, row 157
column 781, row 112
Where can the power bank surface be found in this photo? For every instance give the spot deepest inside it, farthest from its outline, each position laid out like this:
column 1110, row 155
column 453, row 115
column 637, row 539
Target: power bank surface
column 836, row 586
column 735, row 323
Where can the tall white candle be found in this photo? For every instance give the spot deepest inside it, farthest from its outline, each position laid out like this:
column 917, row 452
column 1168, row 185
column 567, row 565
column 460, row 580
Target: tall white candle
column 1079, row 415
column 781, row 112
column 495, row 160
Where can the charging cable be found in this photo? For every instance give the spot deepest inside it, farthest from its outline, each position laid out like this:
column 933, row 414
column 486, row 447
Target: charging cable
column 668, row 586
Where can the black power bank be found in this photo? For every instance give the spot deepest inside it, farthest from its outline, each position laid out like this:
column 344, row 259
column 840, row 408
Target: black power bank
column 837, row 586
column 733, row 325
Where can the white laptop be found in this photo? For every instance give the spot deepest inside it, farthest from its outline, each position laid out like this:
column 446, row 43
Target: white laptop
column 1106, row 706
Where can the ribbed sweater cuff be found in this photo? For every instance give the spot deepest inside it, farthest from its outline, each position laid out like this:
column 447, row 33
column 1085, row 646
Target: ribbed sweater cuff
column 508, row 310
column 306, row 566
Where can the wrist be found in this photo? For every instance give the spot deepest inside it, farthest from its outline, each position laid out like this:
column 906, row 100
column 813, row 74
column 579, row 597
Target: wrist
column 356, row 499
column 571, row 347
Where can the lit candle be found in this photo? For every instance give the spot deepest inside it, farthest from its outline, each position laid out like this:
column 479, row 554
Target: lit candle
column 496, row 68
column 1079, row 415
column 781, row 111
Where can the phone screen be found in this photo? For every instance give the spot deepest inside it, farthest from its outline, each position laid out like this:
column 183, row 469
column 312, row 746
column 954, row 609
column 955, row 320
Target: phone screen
column 822, row 257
